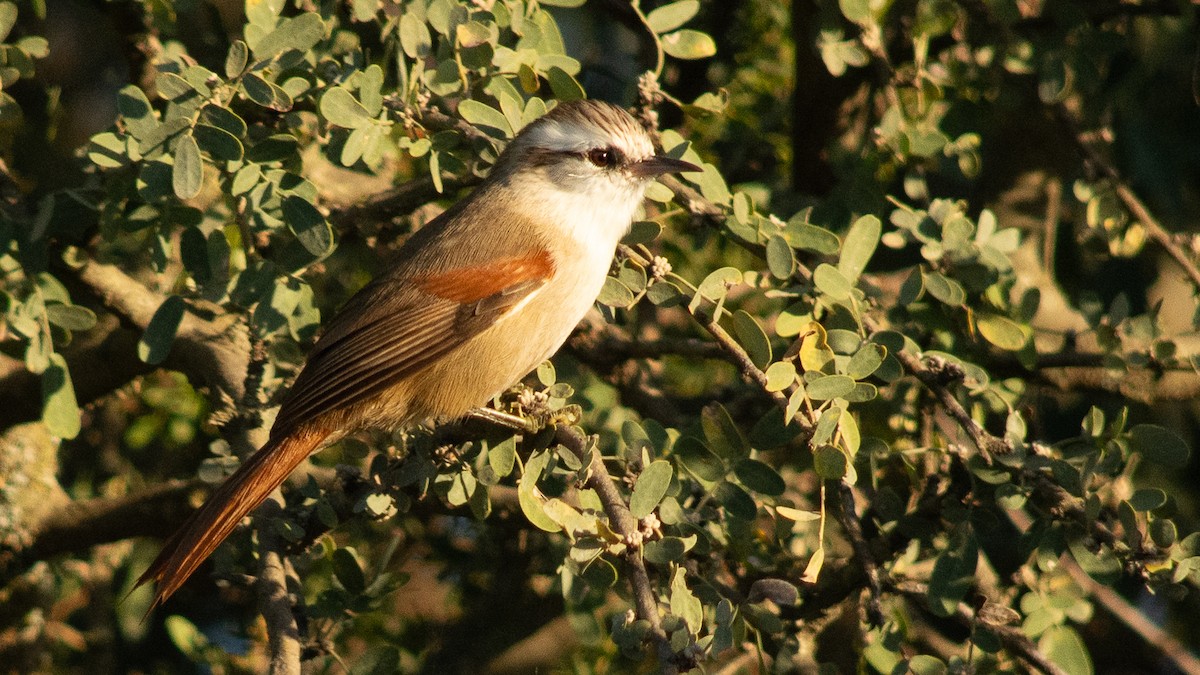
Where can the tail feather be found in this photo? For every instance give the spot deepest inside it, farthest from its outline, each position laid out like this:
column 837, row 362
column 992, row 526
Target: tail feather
column 209, row 525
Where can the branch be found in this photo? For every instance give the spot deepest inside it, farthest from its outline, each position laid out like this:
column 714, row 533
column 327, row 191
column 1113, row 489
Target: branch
column 936, row 376
column 386, row 206
column 154, row 512
column 213, row 351
column 1138, row 209
column 848, row 517
column 274, row 601
column 1013, row 639
column 624, row 524
column 100, row 361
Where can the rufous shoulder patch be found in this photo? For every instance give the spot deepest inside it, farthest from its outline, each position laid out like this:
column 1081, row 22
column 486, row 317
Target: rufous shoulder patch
column 475, row 282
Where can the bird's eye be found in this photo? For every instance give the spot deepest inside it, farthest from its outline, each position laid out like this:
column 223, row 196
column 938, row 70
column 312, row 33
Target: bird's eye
column 602, row 157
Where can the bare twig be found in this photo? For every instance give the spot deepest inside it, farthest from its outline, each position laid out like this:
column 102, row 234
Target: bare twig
column 936, row 377
column 274, row 600
column 848, row 517
column 1099, row 163
column 1013, row 639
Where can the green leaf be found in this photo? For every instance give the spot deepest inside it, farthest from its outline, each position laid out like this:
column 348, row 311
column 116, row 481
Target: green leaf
column 802, row 235
column 860, row 244
column 828, row 387
column 223, row 118
column 857, row 11
column 8, row 18
column 759, row 477
column 684, row 604
column 414, row 36
column 1000, row 331
column 669, row 17
column 717, row 284
column 953, row 575
column 1065, row 648
column 665, row 551
column 689, row 44
column 563, row 3
column 266, row 94
column 1161, row 445
column 736, row 501
column 236, row 59
column 564, row 86
column 71, row 317
column 830, row 281
column 502, row 457
column 136, row 112
column 945, row 289
column 185, row 636
column 340, row 107
column 309, row 226
column 370, row 89
column 780, row 375
column 615, row 294
column 752, row 336
column 483, row 115
column 829, row 462
column 923, row 664
column 865, row 361
column 530, row 498
column 60, row 411
column 187, row 176
column 348, row 570
column 171, row 86
column 107, row 151
column 650, row 488
column 722, row 434
column 218, row 143
column 781, row 261
column 156, row 341
column 1145, row 499
column 699, row 460
column 299, row 33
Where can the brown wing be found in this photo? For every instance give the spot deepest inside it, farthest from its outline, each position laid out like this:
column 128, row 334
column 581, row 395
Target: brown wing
column 396, row 326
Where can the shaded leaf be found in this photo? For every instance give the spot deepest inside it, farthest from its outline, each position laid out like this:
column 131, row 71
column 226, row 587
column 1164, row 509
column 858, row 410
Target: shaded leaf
column 348, row 570
column 752, row 337
column 187, row 175
column 156, row 341
column 299, row 33
column 759, row 477
column 650, row 488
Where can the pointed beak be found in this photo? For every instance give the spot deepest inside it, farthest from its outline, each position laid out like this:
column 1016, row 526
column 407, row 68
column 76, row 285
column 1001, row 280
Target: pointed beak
column 660, row 164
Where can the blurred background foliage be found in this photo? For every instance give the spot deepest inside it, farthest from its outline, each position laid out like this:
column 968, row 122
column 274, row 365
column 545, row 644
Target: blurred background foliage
column 954, row 243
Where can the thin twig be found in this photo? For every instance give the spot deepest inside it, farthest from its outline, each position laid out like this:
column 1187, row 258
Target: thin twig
column 1099, row 163
column 848, row 518
column 625, row 525
column 1013, row 639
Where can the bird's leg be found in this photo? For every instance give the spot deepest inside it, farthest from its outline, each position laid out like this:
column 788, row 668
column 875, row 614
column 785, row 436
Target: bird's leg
column 504, row 419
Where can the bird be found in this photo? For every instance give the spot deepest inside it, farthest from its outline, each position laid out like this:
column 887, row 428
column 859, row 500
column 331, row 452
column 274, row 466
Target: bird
column 471, row 303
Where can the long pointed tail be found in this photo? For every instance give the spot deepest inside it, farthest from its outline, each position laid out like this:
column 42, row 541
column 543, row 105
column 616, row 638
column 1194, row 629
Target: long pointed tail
column 248, row 487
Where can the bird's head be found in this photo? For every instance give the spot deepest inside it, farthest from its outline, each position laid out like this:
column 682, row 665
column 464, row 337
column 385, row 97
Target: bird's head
column 588, row 148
